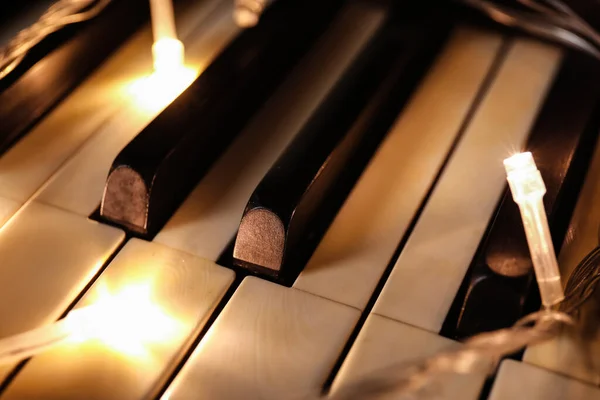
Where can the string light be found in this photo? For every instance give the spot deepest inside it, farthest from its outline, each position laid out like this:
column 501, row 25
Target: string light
column 124, row 322
column 548, row 19
column 528, row 189
column 167, row 50
column 152, row 93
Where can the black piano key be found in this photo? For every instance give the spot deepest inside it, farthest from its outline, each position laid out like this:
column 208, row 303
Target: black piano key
column 59, row 63
column 155, row 171
column 500, row 283
column 292, row 202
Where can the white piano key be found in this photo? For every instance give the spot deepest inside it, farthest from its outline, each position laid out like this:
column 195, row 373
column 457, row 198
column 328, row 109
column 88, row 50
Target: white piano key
column 269, row 342
column 567, row 354
column 384, row 343
column 519, row 381
column 47, row 257
column 77, row 186
column 356, row 249
column 208, row 219
column 35, row 157
column 432, row 264
column 184, row 290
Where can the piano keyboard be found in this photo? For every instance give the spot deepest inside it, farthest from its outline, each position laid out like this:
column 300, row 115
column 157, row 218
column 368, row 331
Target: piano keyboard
column 314, row 203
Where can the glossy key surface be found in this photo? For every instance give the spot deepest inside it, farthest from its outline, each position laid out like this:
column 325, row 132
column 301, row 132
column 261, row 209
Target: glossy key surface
column 516, row 381
column 383, row 346
column 501, row 279
column 155, row 172
column 48, row 256
column 360, row 242
column 208, row 219
column 268, row 342
column 78, row 185
column 95, row 103
column 436, row 257
column 40, row 81
column 170, row 296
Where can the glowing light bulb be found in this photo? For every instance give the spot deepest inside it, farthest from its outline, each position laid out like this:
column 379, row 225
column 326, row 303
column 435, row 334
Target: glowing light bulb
column 168, row 56
column 125, row 322
column 152, row 93
column 528, row 189
column 167, row 50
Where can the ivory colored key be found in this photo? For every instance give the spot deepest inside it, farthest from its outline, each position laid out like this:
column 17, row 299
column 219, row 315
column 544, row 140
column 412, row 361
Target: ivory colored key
column 519, row 381
column 7, row 209
column 269, row 342
column 30, row 162
column 47, row 257
column 174, row 293
column 352, row 255
column 77, row 186
column 436, row 256
column 566, row 354
column 384, row 343
column 208, row 219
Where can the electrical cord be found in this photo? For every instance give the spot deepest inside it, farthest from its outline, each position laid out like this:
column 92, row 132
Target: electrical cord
column 59, row 15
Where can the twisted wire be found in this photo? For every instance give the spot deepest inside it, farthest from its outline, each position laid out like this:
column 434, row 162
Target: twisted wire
column 483, row 352
column 480, row 354
column 548, row 19
column 58, row 15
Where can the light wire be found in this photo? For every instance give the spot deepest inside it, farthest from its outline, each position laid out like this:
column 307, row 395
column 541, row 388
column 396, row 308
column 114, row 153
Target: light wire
column 58, row 15
column 551, row 20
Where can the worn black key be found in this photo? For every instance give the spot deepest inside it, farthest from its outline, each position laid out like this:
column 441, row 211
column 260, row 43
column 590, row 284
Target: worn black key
column 60, row 62
column 156, row 170
column 500, row 282
column 304, row 189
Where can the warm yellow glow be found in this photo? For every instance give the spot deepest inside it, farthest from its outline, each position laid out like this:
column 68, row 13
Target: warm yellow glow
column 153, row 93
column 126, row 321
column 168, row 55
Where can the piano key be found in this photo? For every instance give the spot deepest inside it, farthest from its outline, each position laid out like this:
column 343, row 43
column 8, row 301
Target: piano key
column 8, row 208
column 36, row 86
column 268, row 342
column 436, row 256
column 78, row 185
column 358, row 245
column 576, row 355
column 321, row 160
column 208, row 219
column 562, row 140
column 183, row 291
column 48, row 256
column 33, row 160
column 517, row 381
column 383, row 344
column 154, row 173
